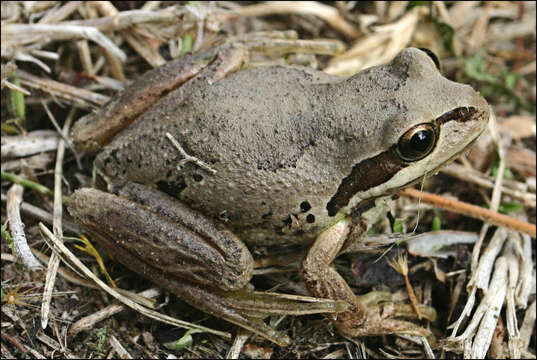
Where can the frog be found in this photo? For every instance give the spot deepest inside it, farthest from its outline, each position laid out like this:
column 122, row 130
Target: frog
column 233, row 158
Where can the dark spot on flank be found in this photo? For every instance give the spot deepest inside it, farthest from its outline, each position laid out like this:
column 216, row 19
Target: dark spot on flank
column 172, row 188
column 305, row 206
column 197, row 177
column 310, row 218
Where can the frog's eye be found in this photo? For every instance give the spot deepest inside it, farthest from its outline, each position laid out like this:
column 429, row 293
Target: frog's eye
column 433, row 56
column 417, row 142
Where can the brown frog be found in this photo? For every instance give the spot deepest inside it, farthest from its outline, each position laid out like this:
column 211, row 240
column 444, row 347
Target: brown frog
column 266, row 156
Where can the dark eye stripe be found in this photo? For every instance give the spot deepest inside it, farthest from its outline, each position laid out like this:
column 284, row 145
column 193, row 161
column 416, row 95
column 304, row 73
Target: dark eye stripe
column 461, row 114
column 365, row 175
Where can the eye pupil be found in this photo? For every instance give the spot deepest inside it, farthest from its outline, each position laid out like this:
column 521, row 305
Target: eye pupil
column 421, row 140
column 417, row 142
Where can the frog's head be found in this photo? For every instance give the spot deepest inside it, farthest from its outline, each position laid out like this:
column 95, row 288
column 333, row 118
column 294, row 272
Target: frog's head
column 431, row 121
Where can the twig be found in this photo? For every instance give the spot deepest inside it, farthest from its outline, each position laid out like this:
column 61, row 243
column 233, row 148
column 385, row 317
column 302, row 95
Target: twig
column 44, row 216
column 379, row 46
column 427, row 348
column 88, row 322
column 126, row 19
column 30, row 185
column 238, row 343
column 64, row 136
column 481, row 275
column 15, row 87
column 45, row 33
column 488, row 311
column 78, row 96
column 114, row 63
column 54, row 261
column 470, row 210
column 188, row 158
column 497, row 191
column 60, row 13
column 32, row 143
column 20, row 347
column 527, row 278
column 510, row 312
column 141, row 46
column 325, row 12
column 66, row 274
column 14, row 199
column 120, row 350
column 34, row 162
column 401, row 266
column 512, row 188
column 528, row 324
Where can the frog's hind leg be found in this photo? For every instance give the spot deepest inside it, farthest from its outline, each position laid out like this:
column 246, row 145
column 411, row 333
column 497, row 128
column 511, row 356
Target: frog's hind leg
column 244, row 308
column 187, row 253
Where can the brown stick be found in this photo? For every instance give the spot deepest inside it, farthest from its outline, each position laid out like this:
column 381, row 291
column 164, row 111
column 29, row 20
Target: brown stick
column 471, row 210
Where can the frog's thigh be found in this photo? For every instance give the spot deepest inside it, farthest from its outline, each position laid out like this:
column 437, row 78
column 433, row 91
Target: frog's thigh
column 323, row 281
column 164, row 234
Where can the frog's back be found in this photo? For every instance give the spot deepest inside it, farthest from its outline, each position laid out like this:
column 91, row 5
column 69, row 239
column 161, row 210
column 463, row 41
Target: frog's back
column 256, row 129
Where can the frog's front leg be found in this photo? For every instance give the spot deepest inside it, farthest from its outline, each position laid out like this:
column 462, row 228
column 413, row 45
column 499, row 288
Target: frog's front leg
column 177, row 79
column 185, row 252
column 323, row 281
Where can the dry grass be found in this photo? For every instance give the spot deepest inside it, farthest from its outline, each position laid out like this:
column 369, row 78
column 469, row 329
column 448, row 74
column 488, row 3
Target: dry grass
column 61, row 60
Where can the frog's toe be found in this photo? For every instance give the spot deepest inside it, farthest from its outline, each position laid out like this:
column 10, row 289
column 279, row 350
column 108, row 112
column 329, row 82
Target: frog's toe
column 385, row 319
column 376, row 327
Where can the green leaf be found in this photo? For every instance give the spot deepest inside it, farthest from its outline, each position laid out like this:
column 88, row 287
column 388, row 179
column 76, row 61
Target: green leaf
column 414, row 4
column 184, row 341
column 509, row 207
column 437, row 223
column 17, row 99
column 500, row 84
column 186, row 44
column 475, row 68
column 398, row 227
column 510, row 79
column 507, row 173
column 101, row 334
column 7, row 236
